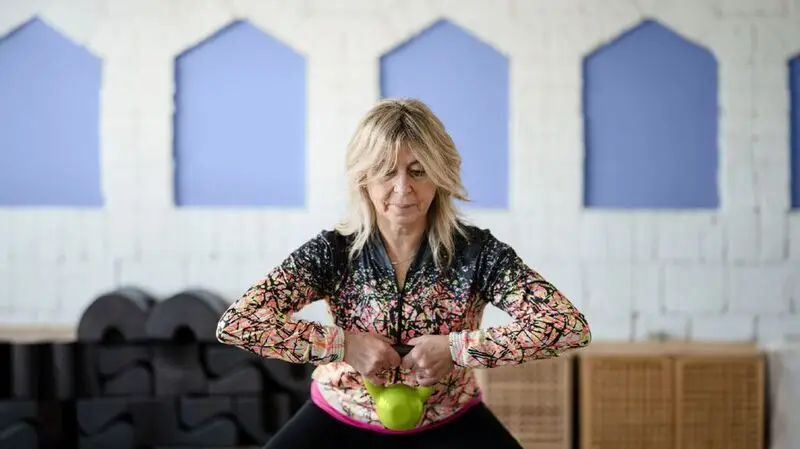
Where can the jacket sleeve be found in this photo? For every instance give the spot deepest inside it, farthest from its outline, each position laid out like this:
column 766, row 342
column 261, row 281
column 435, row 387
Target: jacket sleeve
column 545, row 323
column 261, row 320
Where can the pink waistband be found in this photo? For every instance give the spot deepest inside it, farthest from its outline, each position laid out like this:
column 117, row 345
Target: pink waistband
column 320, row 401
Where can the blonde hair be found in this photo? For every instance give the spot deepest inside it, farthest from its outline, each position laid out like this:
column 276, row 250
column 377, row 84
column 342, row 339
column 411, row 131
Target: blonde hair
column 373, row 150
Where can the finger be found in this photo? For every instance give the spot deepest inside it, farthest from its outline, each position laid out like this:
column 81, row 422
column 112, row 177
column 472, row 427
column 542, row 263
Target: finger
column 409, row 362
column 426, row 373
column 415, row 340
column 427, row 380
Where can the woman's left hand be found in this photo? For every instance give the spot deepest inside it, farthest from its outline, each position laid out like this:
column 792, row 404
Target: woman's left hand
column 430, row 359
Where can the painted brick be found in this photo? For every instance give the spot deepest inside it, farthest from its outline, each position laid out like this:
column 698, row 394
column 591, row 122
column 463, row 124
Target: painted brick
column 644, row 234
column 611, row 326
column 733, row 40
column 758, row 289
column 207, row 18
column 648, row 288
column 241, row 234
column 739, row 327
column 609, row 287
column 739, row 195
column 161, row 277
column 775, row 42
column 693, row 288
column 530, row 232
column 712, row 241
column 493, row 316
column 773, row 189
column 347, row 7
column 593, row 246
column 79, row 284
column 567, row 277
column 229, row 276
column 491, row 23
column 15, row 12
column 742, row 235
column 32, row 290
column 86, row 237
column 620, row 239
column 773, row 237
column 564, row 236
column 622, row 287
column 317, row 311
column 36, row 236
column 674, row 327
column 679, row 237
column 78, row 21
column 772, row 329
column 736, row 8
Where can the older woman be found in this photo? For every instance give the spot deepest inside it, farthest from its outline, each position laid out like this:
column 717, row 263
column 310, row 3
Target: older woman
column 404, row 269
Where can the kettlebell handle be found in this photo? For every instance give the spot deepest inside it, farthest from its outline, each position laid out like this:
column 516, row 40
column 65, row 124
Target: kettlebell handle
column 402, row 349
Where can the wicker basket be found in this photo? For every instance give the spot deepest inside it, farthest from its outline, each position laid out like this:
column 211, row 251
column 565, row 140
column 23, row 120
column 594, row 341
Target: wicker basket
column 534, row 401
column 671, row 396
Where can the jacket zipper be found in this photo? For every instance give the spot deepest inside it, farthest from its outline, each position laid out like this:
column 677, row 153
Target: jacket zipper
column 400, row 291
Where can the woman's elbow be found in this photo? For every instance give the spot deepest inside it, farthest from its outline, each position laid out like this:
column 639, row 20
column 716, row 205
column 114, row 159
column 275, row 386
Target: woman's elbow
column 222, row 332
column 583, row 330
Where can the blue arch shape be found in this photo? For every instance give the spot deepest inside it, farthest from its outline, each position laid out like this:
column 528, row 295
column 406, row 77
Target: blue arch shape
column 650, row 100
column 49, row 116
column 240, row 122
column 794, row 101
column 465, row 82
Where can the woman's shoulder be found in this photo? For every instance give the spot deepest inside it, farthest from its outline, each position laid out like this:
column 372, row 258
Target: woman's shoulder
column 332, row 239
column 472, row 235
column 473, row 240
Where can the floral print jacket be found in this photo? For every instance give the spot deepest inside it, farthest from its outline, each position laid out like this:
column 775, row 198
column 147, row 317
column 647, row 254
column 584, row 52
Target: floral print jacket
column 363, row 296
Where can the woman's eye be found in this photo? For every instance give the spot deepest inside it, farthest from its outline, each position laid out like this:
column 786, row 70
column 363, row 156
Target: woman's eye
column 417, row 173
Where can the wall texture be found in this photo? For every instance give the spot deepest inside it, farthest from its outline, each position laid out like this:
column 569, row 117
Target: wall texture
column 637, row 153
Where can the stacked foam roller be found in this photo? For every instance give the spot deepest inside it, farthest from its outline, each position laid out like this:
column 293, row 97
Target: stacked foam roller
column 144, row 374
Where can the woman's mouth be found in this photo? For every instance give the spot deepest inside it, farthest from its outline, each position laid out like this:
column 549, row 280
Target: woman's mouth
column 403, row 206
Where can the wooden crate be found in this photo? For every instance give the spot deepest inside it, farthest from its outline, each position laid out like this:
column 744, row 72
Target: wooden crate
column 671, row 396
column 626, row 401
column 720, row 400
column 534, row 401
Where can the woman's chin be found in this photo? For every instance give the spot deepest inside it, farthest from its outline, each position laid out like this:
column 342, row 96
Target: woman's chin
column 405, row 218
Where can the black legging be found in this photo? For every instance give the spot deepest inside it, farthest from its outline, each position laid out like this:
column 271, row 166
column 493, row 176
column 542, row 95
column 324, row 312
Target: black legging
column 312, row 428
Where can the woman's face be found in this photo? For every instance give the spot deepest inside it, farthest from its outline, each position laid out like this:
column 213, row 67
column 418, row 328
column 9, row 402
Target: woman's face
column 402, row 198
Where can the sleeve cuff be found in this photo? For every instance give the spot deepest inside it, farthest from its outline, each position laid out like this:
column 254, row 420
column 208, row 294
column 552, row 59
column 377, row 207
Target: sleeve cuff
column 336, row 349
column 459, row 343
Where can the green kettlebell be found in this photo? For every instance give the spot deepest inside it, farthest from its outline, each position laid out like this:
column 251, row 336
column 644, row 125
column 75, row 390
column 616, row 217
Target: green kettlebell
column 399, row 406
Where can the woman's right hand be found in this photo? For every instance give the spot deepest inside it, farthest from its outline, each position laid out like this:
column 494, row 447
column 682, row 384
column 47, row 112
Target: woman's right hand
column 371, row 355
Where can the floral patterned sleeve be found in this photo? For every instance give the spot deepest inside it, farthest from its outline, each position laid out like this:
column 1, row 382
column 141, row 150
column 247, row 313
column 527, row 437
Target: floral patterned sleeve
column 545, row 323
column 261, row 320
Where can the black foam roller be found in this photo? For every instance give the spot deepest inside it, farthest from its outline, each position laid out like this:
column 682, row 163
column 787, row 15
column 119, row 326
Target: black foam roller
column 116, row 316
column 189, row 316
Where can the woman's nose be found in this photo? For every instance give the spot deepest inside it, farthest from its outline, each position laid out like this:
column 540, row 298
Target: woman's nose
column 402, row 184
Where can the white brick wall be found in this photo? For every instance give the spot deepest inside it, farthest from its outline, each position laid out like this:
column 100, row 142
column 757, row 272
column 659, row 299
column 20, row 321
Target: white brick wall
column 731, row 274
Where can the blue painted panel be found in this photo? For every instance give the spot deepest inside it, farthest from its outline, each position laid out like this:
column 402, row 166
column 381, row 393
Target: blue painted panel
column 465, row 82
column 794, row 89
column 650, row 103
column 240, row 122
column 49, row 109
